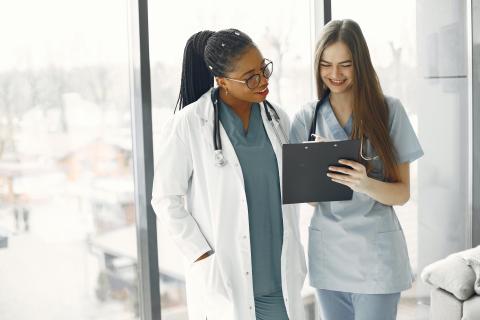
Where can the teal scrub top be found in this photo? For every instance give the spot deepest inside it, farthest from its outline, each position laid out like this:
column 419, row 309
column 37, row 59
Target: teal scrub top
column 261, row 178
column 358, row 246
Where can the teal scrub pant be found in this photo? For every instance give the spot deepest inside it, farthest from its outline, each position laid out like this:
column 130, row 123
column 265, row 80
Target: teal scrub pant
column 270, row 307
column 336, row 305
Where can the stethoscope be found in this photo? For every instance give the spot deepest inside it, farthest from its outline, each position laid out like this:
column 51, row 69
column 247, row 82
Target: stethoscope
column 313, row 126
column 272, row 117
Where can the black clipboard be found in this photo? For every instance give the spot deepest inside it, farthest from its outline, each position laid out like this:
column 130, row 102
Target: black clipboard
column 305, row 167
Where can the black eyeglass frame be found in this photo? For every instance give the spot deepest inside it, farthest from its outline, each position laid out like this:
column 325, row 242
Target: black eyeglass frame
column 257, row 75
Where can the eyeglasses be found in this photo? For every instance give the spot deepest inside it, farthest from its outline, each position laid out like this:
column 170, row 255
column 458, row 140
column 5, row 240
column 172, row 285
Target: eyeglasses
column 254, row 81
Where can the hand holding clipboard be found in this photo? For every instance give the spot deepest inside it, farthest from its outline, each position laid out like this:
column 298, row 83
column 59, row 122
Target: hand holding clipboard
column 305, row 168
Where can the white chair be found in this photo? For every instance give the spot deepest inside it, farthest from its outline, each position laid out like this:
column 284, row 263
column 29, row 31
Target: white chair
column 456, row 282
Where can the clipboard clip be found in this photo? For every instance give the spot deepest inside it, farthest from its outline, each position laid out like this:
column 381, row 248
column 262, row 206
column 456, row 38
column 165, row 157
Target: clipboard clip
column 319, row 138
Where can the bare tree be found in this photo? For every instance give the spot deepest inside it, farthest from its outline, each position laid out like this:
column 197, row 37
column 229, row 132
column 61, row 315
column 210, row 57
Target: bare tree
column 7, row 98
column 57, row 85
column 34, row 84
column 99, row 83
column 280, row 43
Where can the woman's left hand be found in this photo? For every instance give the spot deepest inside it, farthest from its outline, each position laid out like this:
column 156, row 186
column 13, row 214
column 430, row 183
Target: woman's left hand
column 355, row 176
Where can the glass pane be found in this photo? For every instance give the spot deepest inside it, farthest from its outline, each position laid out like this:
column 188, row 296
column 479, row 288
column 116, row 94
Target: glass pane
column 66, row 180
column 282, row 37
column 419, row 52
column 476, row 121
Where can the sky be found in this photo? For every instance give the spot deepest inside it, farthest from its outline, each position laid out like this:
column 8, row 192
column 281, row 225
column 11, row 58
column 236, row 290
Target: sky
column 68, row 33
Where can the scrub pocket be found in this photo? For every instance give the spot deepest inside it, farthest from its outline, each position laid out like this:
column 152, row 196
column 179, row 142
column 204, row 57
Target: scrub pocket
column 393, row 265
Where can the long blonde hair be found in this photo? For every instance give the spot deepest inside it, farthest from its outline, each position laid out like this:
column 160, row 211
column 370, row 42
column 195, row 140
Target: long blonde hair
column 370, row 110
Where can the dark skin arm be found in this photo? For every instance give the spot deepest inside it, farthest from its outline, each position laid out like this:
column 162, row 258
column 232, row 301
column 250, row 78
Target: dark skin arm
column 203, row 256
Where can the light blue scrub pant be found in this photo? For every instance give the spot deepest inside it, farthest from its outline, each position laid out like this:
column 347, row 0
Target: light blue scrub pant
column 336, row 305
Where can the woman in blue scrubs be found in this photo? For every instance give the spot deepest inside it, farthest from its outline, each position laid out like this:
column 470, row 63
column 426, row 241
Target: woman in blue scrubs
column 358, row 258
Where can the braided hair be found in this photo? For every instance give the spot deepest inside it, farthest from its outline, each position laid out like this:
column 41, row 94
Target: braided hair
column 207, row 55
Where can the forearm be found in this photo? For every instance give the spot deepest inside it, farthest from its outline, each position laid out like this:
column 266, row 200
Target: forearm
column 388, row 193
column 182, row 227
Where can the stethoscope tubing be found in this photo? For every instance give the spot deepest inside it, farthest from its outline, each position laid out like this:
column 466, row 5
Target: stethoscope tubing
column 313, row 127
column 217, row 142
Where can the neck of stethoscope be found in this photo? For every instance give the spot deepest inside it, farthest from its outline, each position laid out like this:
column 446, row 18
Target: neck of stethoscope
column 313, row 125
column 238, row 105
column 270, row 113
column 267, row 106
column 217, row 141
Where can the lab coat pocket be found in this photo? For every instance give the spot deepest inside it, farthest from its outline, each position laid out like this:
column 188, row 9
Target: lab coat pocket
column 393, row 266
column 198, row 274
column 195, row 283
column 217, row 300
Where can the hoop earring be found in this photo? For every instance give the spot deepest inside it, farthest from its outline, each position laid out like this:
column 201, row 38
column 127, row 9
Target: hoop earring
column 226, row 91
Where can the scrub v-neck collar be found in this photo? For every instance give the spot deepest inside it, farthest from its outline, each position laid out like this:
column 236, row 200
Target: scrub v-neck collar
column 338, row 132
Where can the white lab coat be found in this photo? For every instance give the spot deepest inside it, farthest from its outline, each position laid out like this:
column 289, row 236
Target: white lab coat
column 204, row 207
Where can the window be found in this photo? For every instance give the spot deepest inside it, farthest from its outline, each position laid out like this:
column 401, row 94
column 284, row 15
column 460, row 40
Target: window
column 67, row 216
column 421, row 58
column 282, row 32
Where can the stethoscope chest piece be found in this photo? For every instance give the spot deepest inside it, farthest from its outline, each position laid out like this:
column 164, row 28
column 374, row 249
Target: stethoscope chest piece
column 219, row 158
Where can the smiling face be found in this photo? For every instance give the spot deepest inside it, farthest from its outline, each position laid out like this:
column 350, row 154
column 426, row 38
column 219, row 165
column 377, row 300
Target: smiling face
column 336, row 68
column 248, row 64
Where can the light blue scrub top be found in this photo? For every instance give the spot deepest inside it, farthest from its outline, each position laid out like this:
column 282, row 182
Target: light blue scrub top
column 358, row 246
column 260, row 174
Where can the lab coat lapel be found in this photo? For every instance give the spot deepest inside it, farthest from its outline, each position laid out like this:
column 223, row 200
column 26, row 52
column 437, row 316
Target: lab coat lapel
column 230, row 155
column 277, row 146
column 206, row 113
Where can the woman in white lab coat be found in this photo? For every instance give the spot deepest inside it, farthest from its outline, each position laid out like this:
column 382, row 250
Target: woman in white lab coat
column 217, row 185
